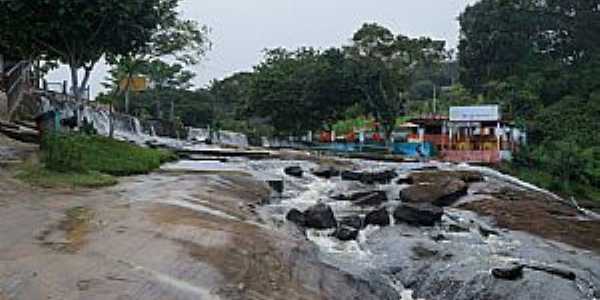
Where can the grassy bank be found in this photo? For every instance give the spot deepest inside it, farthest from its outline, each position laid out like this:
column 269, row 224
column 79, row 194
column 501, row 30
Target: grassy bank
column 90, row 161
column 552, row 183
column 81, row 153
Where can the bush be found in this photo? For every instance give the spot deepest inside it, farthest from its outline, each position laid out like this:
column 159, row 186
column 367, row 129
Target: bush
column 560, row 166
column 82, row 153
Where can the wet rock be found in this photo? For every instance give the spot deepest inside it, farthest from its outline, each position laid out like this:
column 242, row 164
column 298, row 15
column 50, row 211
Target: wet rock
column 565, row 274
column 379, row 217
column 508, row 273
column 486, row 232
column 404, row 180
column 355, row 222
column 326, row 172
column 276, row 185
column 421, row 214
column 351, row 176
column 346, row 233
column 377, row 197
column 297, row 217
column 420, row 252
column 440, row 194
column 320, row 216
column 439, row 237
column 457, row 228
column 371, row 199
column 294, row 171
column 384, row 177
column 427, row 168
column 443, row 176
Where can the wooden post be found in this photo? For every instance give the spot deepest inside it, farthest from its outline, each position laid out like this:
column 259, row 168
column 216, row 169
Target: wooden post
column 498, row 136
column 450, row 133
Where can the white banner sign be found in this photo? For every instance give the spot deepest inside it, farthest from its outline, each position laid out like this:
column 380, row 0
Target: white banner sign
column 475, row 113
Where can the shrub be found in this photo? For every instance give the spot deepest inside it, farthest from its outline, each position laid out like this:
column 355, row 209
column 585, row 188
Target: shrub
column 83, row 153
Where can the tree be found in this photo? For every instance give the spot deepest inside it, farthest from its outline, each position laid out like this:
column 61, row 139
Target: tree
column 79, row 33
column 514, row 38
column 385, row 66
column 182, row 40
column 300, row 90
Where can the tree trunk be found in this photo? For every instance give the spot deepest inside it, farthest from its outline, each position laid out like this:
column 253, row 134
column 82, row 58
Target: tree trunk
column 172, row 113
column 75, row 83
column 76, row 92
column 127, row 100
column 111, row 121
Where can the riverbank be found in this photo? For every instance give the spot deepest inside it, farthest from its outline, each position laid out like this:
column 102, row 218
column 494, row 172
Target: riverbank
column 213, row 233
column 158, row 236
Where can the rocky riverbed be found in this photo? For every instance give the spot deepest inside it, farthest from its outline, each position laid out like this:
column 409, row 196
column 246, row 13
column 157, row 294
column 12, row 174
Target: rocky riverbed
column 338, row 229
column 441, row 231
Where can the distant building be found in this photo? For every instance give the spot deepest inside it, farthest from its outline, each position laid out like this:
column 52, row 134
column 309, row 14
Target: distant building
column 475, row 134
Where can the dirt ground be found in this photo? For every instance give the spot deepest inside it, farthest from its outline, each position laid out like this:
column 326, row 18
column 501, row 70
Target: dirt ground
column 536, row 213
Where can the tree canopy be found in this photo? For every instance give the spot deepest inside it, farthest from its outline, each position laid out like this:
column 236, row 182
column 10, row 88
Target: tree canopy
column 79, row 33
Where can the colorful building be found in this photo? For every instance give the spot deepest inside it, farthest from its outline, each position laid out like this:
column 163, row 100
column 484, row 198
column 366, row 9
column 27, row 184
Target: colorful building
column 476, row 134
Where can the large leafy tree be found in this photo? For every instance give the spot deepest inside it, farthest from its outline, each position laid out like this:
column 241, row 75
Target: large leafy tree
column 184, row 41
column 541, row 60
column 79, row 33
column 300, row 90
column 514, row 38
column 385, row 66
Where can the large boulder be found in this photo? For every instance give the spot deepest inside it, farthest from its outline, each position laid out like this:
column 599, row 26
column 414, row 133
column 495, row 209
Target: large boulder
column 370, row 198
column 346, row 233
column 442, row 194
column 420, row 214
column 436, row 177
column 320, row 216
column 294, row 171
column 326, row 172
column 379, row 217
column 351, row 176
column 384, row 177
column 513, row 272
column 297, row 217
column 355, row 222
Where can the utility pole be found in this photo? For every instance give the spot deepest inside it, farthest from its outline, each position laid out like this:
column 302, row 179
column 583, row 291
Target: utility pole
column 434, row 99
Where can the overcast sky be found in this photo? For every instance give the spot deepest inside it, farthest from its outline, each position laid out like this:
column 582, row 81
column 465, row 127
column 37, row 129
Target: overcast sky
column 242, row 29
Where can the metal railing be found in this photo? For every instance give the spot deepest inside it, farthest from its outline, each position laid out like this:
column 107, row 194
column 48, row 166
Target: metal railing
column 14, row 83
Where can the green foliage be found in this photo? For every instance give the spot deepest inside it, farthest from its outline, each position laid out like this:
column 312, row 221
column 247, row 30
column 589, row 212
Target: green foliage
column 541, row 60
column 193, row 108
column 386, row 65
column 301, row 90
column 307, row 89
column 351, row 125
column 68, row 153
column 79, row 33
column 573, row 118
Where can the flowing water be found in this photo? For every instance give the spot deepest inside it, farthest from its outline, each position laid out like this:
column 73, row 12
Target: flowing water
column 398, row 261
column 404, row 258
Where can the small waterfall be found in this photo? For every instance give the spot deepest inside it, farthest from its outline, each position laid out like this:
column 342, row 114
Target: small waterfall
column 223, row 137
column 125, row 127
